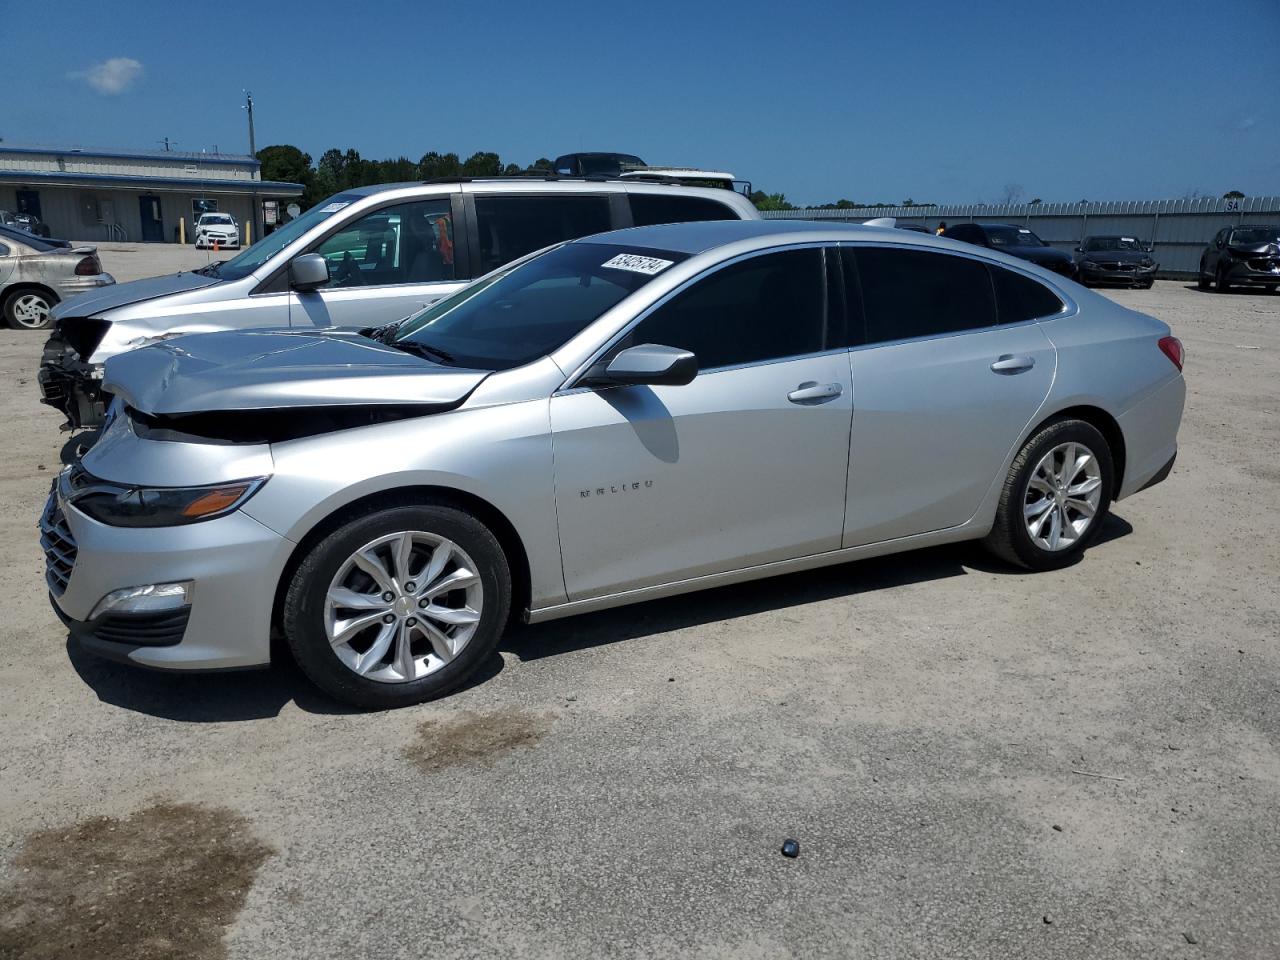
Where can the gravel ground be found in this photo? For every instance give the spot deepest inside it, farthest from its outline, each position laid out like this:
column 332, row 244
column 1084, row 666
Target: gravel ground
column 976, row 762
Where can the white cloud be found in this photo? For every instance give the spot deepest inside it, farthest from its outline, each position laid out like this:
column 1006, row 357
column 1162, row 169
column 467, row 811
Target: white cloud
column 111, row 77
column 1248, row 123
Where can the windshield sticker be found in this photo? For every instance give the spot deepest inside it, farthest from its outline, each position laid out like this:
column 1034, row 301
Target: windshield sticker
column 1128, row 240
column 334, row 207
column 637, row 264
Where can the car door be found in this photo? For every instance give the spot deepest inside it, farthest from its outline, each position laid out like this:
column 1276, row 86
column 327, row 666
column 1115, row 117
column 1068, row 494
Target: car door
column 743, row 466
column 942, row 389
column 385, row 265
column 1214, row 253
column 510, row 224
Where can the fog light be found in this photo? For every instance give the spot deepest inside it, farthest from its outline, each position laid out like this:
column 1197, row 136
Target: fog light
column 151, row 598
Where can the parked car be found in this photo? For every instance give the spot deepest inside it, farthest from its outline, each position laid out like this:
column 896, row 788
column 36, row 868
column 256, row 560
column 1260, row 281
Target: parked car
column 217, row 228
column 1115, row 259
column 628, row 416
column 27, row 222
column 36, row 273
column 595, row 164
column 1246, row 255
column 390, row 250
column 1016, row 241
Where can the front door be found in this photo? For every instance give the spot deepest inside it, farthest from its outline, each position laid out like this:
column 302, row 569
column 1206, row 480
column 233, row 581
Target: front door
column 384, row 266
column 743, row 466
column 151, row 220
column 942, row 390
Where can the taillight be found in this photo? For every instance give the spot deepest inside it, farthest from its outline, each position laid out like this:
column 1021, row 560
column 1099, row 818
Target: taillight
column 1171, row 347
column 88, row 266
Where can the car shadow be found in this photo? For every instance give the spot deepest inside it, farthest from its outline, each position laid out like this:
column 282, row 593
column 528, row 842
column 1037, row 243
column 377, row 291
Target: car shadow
column 535, row 641
column 231, row 696
column 223, row 696
column 1231, row 291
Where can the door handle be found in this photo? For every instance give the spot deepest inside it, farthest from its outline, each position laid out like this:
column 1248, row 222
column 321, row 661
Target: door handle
column 1008, row 363
column 811, row 392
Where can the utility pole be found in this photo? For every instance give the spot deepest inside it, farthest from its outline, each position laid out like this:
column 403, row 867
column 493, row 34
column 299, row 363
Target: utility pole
column 248, row 105
column 168, row 144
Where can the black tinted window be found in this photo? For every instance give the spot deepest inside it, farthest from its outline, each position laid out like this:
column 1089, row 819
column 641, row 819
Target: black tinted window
column 511, row 226
column 914, row 293
column 1021, row 298
column 764, row 308
column 651, row 208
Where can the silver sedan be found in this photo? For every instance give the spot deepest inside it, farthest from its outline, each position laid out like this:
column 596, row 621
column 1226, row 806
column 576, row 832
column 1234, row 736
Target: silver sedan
column 633, row 415
column 36, row 273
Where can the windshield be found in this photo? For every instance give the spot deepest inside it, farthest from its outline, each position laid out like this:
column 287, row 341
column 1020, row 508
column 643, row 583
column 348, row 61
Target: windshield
column 216, row 218
column 1096, row 244
column 1253, row 236
column 1013, row 237
column 512, row 318
column 255, row 256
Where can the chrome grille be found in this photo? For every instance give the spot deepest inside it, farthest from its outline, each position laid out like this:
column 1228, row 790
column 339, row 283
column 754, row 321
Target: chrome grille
column 59, row 546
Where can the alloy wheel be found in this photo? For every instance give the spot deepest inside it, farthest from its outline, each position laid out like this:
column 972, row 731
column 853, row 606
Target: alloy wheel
column 31, row 311
column 1062, row 496
column 403, row 606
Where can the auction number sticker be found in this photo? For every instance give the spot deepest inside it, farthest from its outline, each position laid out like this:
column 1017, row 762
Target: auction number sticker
column 637, row 264
column 335, row 206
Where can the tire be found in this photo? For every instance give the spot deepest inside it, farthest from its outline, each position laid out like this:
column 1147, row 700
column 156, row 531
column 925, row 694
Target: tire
column 1222, row 283
column 1010, row 539
column 1202, row 280
column 357, row 673
column 28, row 309
column 1147, row 284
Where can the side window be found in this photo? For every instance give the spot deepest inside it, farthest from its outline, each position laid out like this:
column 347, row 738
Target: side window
column 651, row 208
column 406, row 243
column 510, row 226
column 4, row 251
column 1020, row 298
column 764, row 308
column 917, row 293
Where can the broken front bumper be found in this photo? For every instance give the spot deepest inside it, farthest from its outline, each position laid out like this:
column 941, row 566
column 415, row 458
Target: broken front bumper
column 70, row 385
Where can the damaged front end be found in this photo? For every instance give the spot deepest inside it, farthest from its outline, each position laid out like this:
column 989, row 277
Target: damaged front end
column 68, row 382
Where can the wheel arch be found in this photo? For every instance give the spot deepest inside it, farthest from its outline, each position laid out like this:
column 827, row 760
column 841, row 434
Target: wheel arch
column 30, row 286
column 1096, row 417
column 502, row 528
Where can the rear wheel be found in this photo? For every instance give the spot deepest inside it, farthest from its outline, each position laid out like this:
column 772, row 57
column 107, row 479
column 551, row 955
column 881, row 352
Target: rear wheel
column 28, row 309
column 1055, row 498
column 399, row 606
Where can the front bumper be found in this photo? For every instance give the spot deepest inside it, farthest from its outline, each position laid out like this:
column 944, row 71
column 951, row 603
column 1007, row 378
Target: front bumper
column 233, row 564
column 70, row 385
column 1126, row 274
column 1264, row 272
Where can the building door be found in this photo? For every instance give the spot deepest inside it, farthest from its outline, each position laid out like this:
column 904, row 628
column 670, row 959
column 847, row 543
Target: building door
column 29, row 202
column 152, row 222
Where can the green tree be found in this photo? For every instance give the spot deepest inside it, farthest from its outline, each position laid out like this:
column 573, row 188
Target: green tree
column 1233, row 195
column 482, row 164
column 433, row 165
column 770, row 201
column 285, row 163
column 542, row 165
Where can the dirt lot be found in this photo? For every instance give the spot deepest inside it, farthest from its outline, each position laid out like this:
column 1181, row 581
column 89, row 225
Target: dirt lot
column 976, row 762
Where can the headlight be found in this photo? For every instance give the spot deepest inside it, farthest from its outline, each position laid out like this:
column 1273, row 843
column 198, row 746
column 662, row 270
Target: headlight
column 122, row 505
column 1148, row 262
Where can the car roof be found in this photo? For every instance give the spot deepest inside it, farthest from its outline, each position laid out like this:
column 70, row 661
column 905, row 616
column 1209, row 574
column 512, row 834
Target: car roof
column 701, row 235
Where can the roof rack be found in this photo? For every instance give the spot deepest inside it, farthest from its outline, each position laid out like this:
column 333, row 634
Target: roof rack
column 654, row 178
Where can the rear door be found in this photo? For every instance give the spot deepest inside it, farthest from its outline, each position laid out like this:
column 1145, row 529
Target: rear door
column 942, row 389
column 385, row 265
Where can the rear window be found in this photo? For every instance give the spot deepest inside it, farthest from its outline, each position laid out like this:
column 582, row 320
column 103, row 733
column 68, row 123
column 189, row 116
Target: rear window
column 28, row 239
column 648, row 209
column 1020, row 298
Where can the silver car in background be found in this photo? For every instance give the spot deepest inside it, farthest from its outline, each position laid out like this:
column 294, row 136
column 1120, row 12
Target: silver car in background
column 36, row 274
column 629, row 416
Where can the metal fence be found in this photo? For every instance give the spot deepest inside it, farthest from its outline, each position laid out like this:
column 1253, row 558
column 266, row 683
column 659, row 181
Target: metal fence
column 1179, row 229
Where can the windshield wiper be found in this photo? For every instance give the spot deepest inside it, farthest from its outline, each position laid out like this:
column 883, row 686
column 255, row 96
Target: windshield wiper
column 384, row 333
column 424, row 351
column 209, row 269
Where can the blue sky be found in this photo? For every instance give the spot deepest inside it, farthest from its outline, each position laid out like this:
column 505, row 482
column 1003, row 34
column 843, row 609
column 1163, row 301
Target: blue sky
column 939, row 101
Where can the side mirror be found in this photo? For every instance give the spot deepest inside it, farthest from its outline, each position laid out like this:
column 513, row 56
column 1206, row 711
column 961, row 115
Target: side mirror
column 308, row 271
column 1079, row 249
column 649, row 363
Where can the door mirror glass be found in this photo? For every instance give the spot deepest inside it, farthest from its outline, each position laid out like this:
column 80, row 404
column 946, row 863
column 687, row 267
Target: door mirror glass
column 308, row 272
column 652, row 364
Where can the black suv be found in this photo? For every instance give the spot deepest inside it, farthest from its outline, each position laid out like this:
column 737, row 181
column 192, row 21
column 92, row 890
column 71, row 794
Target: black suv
column 1245, row 255
column 1016, row 241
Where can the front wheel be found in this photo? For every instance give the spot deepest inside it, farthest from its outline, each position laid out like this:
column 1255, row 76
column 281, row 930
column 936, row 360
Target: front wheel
column 398, row 606
column 1055, row 498
column 1223, row 284
column 28, row 309
column 1202, row 278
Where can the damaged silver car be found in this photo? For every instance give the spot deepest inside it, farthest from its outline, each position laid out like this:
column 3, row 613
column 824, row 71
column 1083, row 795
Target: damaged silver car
column 635, row 415
column 36, row 274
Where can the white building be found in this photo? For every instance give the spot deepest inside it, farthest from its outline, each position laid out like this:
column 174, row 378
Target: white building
column 118, row 195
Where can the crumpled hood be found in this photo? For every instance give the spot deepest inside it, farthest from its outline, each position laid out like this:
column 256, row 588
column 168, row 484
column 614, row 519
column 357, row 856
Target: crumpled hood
column 135, row 291
column 274, row 369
